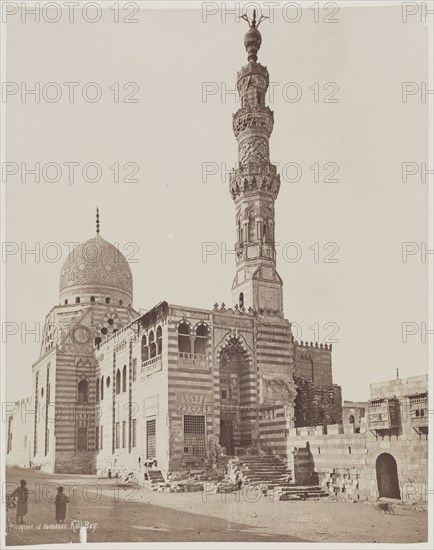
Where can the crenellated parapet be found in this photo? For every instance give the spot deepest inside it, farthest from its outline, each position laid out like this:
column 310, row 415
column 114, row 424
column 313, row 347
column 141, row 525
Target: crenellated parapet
column 236, row 310
column 312, row 345
column 313, row 362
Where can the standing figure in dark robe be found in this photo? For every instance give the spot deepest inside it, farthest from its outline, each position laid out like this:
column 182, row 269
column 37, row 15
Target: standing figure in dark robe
column 22, row 495
column 61, row 501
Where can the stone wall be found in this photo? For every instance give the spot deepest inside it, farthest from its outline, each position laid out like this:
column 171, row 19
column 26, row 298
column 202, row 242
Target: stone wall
column 19, row 432
column 369, row 464
column 274, row 423
column 354, row 410
column 313, row 362
column 333, row 459
column 317, row 405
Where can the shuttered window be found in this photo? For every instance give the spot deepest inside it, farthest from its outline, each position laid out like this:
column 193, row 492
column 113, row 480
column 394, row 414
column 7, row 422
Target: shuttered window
column 151, row 439
column 134, row 433
column 117, row 435
column 124, row 434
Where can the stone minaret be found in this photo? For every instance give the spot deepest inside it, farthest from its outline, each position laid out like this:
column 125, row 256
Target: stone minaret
column 254, row 186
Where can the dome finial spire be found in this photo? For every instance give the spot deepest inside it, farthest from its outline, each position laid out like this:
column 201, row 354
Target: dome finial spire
column 97, row 220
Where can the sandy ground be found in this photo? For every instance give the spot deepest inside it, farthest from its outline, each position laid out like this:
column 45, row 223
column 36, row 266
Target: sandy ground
column 127, row 514
column 320, row 521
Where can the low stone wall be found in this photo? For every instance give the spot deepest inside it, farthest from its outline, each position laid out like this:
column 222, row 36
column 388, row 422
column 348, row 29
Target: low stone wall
column 345, row 463
column 334, row 460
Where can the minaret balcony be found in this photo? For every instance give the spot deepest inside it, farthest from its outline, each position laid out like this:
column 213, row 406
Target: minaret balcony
column 254, row 177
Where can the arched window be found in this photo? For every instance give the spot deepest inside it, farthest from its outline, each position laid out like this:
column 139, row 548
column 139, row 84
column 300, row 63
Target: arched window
column 83, row 391
column 107, row 382
column 77, row 300
column 152, row 345
column 118, row 382
column 97, row 389
column 252, row 230
column 201, row 338
column 98, row 341
column 92, row 298
column 145, row 349
column 159, row 341
column 241, row 300
column 124, row 378
column 351, row 419
column 66, row 302
column 184, row 342
column 107, row 300
column 102, row 388
column 120, row 302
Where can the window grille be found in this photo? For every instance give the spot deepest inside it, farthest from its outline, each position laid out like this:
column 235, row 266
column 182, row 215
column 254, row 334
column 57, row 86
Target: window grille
column 194, row 435
column 117, row 435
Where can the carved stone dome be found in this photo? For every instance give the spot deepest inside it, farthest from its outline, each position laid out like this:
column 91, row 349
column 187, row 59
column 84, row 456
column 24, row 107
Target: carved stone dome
column 93, row 270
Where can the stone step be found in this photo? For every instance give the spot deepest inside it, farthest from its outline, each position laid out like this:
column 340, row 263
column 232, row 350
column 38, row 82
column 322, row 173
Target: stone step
column 155, row 476
column 269, row 485
column 265, row 478
column 261, row 462
column 265, row 468
column 265, row 472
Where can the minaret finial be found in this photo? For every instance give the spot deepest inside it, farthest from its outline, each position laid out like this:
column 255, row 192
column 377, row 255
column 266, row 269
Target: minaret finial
column 252, row 40
column 97, row 220
column 252, row 23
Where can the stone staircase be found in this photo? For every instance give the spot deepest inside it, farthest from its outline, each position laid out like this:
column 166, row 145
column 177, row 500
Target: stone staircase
column 274, row 476
column 155, row 477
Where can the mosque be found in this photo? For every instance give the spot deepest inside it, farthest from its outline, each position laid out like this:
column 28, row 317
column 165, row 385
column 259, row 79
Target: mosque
column 180, row 387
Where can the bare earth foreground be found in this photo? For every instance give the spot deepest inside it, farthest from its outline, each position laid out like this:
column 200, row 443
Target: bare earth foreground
column 114, row 514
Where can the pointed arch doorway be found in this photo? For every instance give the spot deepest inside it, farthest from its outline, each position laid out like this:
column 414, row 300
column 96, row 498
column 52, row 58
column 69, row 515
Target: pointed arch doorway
column 234, row 386
column 387, row 476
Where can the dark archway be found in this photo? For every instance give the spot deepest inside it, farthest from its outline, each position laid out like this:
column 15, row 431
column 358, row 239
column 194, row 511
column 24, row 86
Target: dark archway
column 237, row 386
column 387, row 476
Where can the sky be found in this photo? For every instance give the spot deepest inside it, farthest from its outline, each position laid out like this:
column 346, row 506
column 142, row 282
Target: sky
column 339, row 115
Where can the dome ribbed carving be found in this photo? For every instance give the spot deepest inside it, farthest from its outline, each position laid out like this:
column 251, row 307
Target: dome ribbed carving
column 96, row 262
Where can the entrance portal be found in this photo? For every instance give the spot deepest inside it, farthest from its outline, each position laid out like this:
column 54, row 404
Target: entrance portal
column 387, row 476
column 227, row 436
